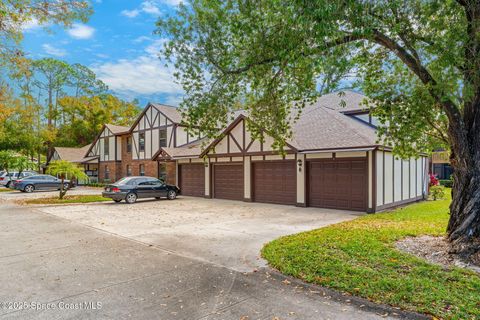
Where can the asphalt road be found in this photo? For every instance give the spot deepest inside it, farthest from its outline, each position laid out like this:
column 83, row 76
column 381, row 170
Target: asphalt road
column 53, row 268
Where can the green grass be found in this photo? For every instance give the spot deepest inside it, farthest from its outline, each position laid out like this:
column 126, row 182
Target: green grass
column 68, row 199
column 3, row 189
column 359, row 257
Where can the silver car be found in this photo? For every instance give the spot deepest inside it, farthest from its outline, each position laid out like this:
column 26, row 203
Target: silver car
column 6, row 179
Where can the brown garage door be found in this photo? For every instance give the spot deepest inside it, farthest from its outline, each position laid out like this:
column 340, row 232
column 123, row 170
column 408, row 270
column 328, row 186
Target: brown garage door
column 192, row 179
column 274, row 182
column 338, row 184
column 228, row 181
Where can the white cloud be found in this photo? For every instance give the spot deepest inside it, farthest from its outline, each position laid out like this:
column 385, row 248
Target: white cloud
column 142, row 39
column 130, row 13
column 81, row 31
column 172, row 2
column 150, row 7
column 51, row 50
column 144, row 75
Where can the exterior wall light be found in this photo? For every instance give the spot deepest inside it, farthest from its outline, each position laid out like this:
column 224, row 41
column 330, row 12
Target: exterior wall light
column 299, row 163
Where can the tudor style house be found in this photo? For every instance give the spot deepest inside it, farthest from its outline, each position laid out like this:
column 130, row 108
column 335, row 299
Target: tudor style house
column 127, row 151
column 78, row 156
column 333, row 159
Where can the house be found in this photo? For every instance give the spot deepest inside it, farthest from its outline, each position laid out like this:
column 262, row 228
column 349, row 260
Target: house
column 126, row 151
column 441, row 167
column 78, row 156
column 333, row 160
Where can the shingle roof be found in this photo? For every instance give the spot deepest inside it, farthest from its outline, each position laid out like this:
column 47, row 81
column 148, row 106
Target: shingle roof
column 173, row 113
column 117, row 129
column 343, row 101
column 193, row 149
column 74, row 154
column 324, row 128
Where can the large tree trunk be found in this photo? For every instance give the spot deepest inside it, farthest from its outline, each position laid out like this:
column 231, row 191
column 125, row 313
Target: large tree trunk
column 464, row 224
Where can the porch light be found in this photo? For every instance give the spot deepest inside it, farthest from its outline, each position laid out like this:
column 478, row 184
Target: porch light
column 299, row 163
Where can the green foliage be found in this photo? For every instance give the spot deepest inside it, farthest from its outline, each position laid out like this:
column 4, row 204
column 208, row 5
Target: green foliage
column 446, row 183
column 359, row 257
column 7, row 159
column 69, row 199
column 437, row 192
column 65, row 169
column 15, row 15
column 409, row 58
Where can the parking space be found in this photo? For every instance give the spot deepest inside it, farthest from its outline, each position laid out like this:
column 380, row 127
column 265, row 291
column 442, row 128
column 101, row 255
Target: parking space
column 227, row 233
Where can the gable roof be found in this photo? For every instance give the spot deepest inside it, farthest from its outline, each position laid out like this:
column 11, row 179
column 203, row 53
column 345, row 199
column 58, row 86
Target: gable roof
column 193, row 149
column 324, row 125
column 74, row 154
column 172, row 113
column 117, row 130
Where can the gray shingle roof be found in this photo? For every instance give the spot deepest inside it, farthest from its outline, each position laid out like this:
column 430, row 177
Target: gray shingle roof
column 173, row 113
column 74, row 154
column 117, row 129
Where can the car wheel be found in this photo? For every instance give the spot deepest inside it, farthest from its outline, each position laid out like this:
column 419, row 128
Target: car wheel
column 65, row 186
column 131, row 198
column 158, row 198
column 171, row 195
column 117, row 200
column 29, row 188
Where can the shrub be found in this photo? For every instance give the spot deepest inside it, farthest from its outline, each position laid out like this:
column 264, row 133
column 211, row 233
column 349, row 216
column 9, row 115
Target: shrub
column 433, row 180
column 447, row 183
column 437, row 192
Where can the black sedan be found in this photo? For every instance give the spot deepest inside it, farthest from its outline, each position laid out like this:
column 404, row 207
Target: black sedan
column 132, row 188
column 39, row 182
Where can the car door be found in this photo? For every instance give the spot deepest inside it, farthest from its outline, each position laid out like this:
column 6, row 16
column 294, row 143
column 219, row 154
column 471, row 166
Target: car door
column 39, row 182
column 144, row 188
column 159, row 188
column 51, row 182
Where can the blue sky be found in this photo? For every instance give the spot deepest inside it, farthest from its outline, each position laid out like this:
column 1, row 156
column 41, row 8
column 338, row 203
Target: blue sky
column 118, row 44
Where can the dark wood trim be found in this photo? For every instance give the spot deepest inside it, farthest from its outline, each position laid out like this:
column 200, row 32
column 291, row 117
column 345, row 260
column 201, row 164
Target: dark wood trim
column 236, row 142
column 241, row 154
column 243, row 144
column 228, row 143
column 383, row 184
column 374, row 180
column 398, row 203
column 153, row 128
column 249, row 145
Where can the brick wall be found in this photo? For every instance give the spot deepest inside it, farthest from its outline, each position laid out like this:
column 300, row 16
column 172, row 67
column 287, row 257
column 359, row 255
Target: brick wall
column 114, row 168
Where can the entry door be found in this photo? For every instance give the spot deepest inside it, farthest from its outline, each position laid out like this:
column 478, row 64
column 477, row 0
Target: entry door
column 338, row 184
column 228, row 181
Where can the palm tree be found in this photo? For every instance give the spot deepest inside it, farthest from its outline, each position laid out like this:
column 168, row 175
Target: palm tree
column 63, row 169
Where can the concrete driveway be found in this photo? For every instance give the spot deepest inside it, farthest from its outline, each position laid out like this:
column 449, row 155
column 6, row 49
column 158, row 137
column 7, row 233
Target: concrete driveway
column 226, row 233
column 185, row 259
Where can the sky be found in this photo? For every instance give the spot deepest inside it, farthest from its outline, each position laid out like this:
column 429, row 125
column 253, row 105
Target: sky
column 118, row 44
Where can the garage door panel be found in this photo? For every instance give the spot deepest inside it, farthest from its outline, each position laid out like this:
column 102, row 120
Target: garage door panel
column 337, row 184
column 192, row 179
column 274, row 182
column 228, row 181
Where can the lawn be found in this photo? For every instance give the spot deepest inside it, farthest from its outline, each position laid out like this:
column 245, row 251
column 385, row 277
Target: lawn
column 359, row 257
column 68, row 199
column 3, row 189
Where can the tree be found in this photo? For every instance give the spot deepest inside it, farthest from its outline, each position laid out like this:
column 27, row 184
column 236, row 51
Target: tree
column 7, row 159
column 64, row 169
column 16, row 15
column 22, row 163
column 418, row 61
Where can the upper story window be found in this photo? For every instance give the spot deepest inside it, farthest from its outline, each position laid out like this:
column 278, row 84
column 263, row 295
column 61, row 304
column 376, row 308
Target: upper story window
column 163, row 137
column 129, row 144
column 106, row 148
column 141, row 141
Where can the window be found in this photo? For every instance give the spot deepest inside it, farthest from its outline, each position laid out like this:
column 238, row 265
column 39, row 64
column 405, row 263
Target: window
column 107, row 172
column 162, row 171
column 106, row 146
column 129, row 144
column 141, row 142
column 163, row 137
column 142, row 169
column 129, row 170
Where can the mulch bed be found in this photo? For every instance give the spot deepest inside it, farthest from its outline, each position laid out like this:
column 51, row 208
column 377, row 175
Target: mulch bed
column 434, row 250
